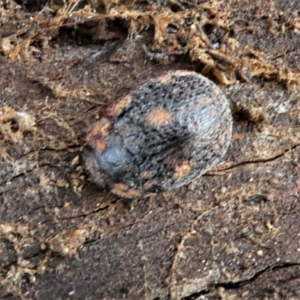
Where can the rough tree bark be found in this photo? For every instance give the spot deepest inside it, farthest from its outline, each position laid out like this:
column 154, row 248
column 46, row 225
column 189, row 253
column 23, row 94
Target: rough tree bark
column 231, row 234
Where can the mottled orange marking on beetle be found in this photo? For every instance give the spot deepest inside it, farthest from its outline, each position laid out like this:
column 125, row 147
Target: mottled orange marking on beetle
column 222, row 138
column 183, row 169
column 118, row 107
column 124, row 191
column 89, row 163
column 183, row 73
column 215, row 146
column 99, row 131
column 100, row 145
column 158, row 117
column 203, row 101
column 165, row 80
column 145, row 174
column 148, row 184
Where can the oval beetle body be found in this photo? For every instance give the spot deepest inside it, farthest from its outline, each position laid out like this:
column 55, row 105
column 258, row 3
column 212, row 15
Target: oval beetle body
column 161, row 135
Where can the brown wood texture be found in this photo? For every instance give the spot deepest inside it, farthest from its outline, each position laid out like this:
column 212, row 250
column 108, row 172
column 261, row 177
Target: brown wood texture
column 234, row 233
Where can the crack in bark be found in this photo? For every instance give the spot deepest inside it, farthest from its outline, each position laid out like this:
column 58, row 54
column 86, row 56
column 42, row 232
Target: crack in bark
column 236, row 285
column 243, row 163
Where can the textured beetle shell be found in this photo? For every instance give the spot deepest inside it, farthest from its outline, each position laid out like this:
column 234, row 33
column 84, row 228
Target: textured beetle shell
column 162, row 135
